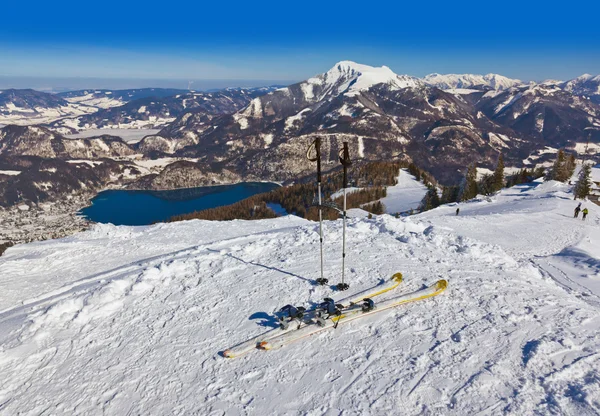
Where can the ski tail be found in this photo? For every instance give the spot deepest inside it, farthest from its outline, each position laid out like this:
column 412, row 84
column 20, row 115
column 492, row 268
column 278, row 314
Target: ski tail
column 393, row 283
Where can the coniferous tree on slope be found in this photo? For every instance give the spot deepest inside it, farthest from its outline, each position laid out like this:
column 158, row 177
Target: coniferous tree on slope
column 584, row 184
column 498, row 177
column 469, row 189
column 431, row 199
column 562, row 169
column 570, row 165
column 450, row 194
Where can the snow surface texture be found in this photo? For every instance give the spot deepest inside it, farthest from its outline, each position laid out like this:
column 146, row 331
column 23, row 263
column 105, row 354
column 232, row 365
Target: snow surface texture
column 130, row 320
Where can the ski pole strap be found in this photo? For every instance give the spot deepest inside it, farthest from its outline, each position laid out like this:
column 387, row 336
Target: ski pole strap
column 317, row 145
column 345, row 161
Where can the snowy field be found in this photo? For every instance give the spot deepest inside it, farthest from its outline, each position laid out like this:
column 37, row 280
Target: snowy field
column 128, row 135
column 131, row 320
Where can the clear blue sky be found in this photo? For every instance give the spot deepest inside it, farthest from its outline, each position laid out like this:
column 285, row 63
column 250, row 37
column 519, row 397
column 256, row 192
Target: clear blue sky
column 287, row 40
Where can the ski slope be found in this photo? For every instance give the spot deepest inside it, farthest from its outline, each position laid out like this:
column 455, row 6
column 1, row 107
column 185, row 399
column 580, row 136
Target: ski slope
column 132, row 320
column 405, row 195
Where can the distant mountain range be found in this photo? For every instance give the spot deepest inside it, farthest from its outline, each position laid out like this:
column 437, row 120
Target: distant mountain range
column 441, row 122
column 70, row 112
column 385, row 115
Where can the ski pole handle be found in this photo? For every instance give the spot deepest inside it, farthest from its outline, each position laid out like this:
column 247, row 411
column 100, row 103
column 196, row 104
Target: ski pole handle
column 317, row 145
column 345, row 161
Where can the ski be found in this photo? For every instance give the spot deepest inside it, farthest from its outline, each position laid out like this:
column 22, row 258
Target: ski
column 309, row 315
column 366, row 308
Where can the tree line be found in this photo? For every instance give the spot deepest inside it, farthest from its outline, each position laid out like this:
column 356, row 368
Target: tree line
column 562, row 170
column 299, row 199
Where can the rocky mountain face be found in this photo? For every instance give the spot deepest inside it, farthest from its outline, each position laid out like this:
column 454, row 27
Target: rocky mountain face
column 37, row 179
column 152, row 112
column 544, row 114
column 383, row 115
column 42, row 142
column 185, row 174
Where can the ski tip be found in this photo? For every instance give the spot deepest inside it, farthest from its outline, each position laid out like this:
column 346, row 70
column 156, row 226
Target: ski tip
column 397, row 277
column 264, row 345
column 441, row 284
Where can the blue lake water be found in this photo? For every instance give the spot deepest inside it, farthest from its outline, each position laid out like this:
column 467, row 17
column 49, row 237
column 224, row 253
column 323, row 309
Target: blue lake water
column 121, row 207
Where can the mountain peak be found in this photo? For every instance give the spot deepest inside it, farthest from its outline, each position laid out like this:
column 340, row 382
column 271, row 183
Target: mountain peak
column 357, row 77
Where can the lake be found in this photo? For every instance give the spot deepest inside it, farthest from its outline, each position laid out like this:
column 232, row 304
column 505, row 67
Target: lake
column 123, row 207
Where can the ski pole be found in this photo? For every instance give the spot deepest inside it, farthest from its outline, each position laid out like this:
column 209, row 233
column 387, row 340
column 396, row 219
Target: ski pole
column 345, row 161
column 317, row 145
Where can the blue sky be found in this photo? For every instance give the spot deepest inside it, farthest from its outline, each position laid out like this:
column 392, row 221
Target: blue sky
column 294, row 40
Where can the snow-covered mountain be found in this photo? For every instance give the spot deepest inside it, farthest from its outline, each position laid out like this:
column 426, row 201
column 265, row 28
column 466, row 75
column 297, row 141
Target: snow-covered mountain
column 585, row 85
column 471, row 81
column 543, row 113
column 26, row 107
column 379, row 113
column 132, row 320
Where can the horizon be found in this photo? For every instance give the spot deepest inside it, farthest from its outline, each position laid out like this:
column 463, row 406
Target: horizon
column 276, row 43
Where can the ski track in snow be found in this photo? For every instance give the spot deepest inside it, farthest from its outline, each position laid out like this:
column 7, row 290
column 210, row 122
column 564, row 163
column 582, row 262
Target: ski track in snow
column 131, row 320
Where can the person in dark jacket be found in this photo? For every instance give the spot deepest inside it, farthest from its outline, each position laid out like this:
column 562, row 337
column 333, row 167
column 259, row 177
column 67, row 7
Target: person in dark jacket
column 577, row 209
column 457, row 211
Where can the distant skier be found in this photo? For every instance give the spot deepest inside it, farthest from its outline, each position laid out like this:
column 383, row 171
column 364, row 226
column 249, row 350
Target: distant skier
column 585, row 212
column 457, row 211
column 577, row 210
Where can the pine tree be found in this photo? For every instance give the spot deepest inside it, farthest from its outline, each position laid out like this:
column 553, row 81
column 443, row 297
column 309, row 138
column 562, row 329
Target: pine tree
column 539, row 172
column 559, row 171
column 498, row 177
column 486, row 185
column 469, row 188
column 584, row 183
column 431, row 199
column 450, row 194
column 570, row 165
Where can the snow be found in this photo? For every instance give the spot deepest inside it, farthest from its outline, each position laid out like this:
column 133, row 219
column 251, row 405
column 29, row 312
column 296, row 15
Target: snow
column 128, row 135
column 468, row 81
column 361, row 147
column 461, row 91
column 268, row 139
column 10, row 172
column 131, row 320
column 289, row 122
column 581, row 147
column 405, row 195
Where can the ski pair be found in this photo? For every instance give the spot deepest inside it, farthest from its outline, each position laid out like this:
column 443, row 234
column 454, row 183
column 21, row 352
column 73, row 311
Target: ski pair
column 351, row 313
column 344, row 157
column 300, row 317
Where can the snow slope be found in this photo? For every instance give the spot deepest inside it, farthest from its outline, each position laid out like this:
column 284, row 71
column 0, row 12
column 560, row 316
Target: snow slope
column 405, row 195
column 131, row 320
